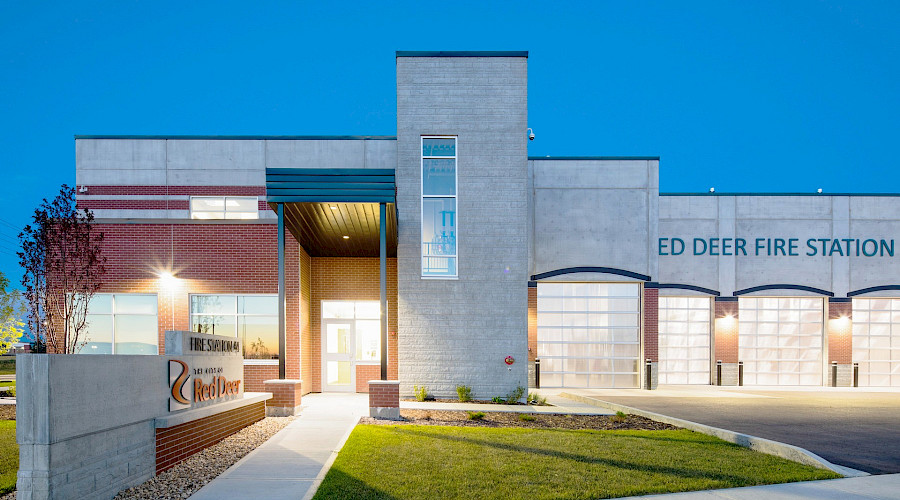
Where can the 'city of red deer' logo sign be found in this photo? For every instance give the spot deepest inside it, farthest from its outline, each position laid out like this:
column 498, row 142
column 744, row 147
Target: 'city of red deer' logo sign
column 178, row 377
column 180, row 384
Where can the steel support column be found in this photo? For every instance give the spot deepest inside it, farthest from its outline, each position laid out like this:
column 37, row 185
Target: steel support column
column 382, row 254
column 282, row 320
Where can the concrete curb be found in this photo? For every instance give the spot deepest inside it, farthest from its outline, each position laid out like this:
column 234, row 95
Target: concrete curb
column 788, row 451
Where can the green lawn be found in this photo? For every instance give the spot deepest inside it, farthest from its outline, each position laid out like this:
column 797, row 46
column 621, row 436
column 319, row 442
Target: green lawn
column 9, row 456
column 8, row 366
column 413, row 462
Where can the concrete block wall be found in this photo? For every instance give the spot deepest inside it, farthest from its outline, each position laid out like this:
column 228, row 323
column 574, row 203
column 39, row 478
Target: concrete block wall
column 85, row 424
column 594, row 212
column 762, row 216
column 155, row 177
column 458, row 331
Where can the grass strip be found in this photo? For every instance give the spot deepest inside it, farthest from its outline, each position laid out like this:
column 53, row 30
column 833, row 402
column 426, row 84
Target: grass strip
column 413, row 462
column 9, row 456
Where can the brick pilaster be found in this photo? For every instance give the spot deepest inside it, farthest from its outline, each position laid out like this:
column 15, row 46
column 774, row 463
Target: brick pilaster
column 384, row 399
column 285, row 397
column 651, row 324
column 840, row 331
column 726, row 330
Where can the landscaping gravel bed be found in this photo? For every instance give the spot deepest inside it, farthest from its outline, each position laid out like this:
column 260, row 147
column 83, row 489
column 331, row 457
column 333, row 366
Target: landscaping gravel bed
column 508, row 419
column 184, row 479
column 7, row 412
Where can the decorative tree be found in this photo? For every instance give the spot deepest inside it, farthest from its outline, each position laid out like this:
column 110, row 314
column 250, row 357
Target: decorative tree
column 63, row 264
column 12, row 309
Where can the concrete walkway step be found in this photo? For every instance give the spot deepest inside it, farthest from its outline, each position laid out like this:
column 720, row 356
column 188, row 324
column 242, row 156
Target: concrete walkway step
column 292, row 463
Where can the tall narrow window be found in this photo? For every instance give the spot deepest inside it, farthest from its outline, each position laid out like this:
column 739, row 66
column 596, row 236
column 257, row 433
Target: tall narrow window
column 439, row 231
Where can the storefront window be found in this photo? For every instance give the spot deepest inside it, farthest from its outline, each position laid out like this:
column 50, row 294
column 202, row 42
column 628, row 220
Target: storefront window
column 121, row 324
column 252, row 318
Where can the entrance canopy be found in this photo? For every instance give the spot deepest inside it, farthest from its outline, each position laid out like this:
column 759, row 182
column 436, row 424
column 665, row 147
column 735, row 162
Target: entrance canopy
column 334, row 212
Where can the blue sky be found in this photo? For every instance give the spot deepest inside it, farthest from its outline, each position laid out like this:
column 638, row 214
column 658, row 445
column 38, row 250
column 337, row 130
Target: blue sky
column 744, row 96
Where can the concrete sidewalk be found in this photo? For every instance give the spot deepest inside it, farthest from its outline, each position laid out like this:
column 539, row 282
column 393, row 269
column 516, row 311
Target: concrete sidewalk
column 292, row 462
column 884, row 487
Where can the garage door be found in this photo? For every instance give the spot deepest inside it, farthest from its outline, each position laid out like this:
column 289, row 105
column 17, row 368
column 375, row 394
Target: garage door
column 876, row 341
column 684, row 325
column 588, row 334
column 780, row 340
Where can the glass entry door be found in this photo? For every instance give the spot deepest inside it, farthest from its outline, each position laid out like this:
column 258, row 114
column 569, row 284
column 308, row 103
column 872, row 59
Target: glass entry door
column 351, row 336
column 337, row 362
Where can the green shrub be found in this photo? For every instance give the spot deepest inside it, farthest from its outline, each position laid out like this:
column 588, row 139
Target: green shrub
column 524, row 417
column 620, row 416
column 497, row 399
column 464, row 392
column 421, row 392
column 514, row 396
column 476, row 415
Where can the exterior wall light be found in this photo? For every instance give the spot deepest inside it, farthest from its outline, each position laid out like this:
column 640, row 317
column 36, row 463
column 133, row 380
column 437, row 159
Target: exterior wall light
column 168, row 280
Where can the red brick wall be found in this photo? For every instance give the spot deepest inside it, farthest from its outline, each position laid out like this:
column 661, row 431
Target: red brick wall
column 532, row 323
column 284, row 395
column 726, row 331
column 348, row 278
column 177, row 190
column 651, row 323
column 206, row 258
column 255, row 375
column 174, row 444
column 840, row 332
column 365, row 373
column 384, row 396
column 306, row 374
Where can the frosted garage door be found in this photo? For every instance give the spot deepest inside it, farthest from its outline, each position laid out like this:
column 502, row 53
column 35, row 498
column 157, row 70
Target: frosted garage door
column 780, row 340
column 876, row 341
column 588, row 334
column 684, row 324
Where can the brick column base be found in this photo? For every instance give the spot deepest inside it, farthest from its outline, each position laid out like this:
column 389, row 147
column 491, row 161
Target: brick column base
column 286, row 397
column 384, row 399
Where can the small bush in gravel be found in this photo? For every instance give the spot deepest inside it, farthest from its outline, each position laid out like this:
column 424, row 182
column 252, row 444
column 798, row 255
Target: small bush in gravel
column 464, row 392
column 514, row 396
column 524, row 417
column 476, row 415
column 421, row 393
column 620, row 416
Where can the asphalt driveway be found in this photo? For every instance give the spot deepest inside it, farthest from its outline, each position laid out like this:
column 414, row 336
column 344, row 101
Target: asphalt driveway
column 852, row 428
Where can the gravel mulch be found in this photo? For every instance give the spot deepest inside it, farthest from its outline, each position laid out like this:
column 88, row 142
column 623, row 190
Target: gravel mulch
column 7, row 412
column 508, row 419
column 184, row 479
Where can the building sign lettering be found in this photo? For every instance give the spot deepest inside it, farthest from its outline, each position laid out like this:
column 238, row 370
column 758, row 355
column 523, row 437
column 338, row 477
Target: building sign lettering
column 778, row 247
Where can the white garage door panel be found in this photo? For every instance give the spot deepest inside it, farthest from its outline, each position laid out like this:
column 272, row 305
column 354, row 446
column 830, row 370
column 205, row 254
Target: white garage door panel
column 780, row 340
column 684, row 339
column 876, row 341
column 589, row 334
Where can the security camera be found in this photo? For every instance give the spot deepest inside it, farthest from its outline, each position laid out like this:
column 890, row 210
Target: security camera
column 530, row 134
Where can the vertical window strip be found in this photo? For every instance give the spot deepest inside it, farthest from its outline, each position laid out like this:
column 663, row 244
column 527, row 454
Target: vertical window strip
column 439, row 209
